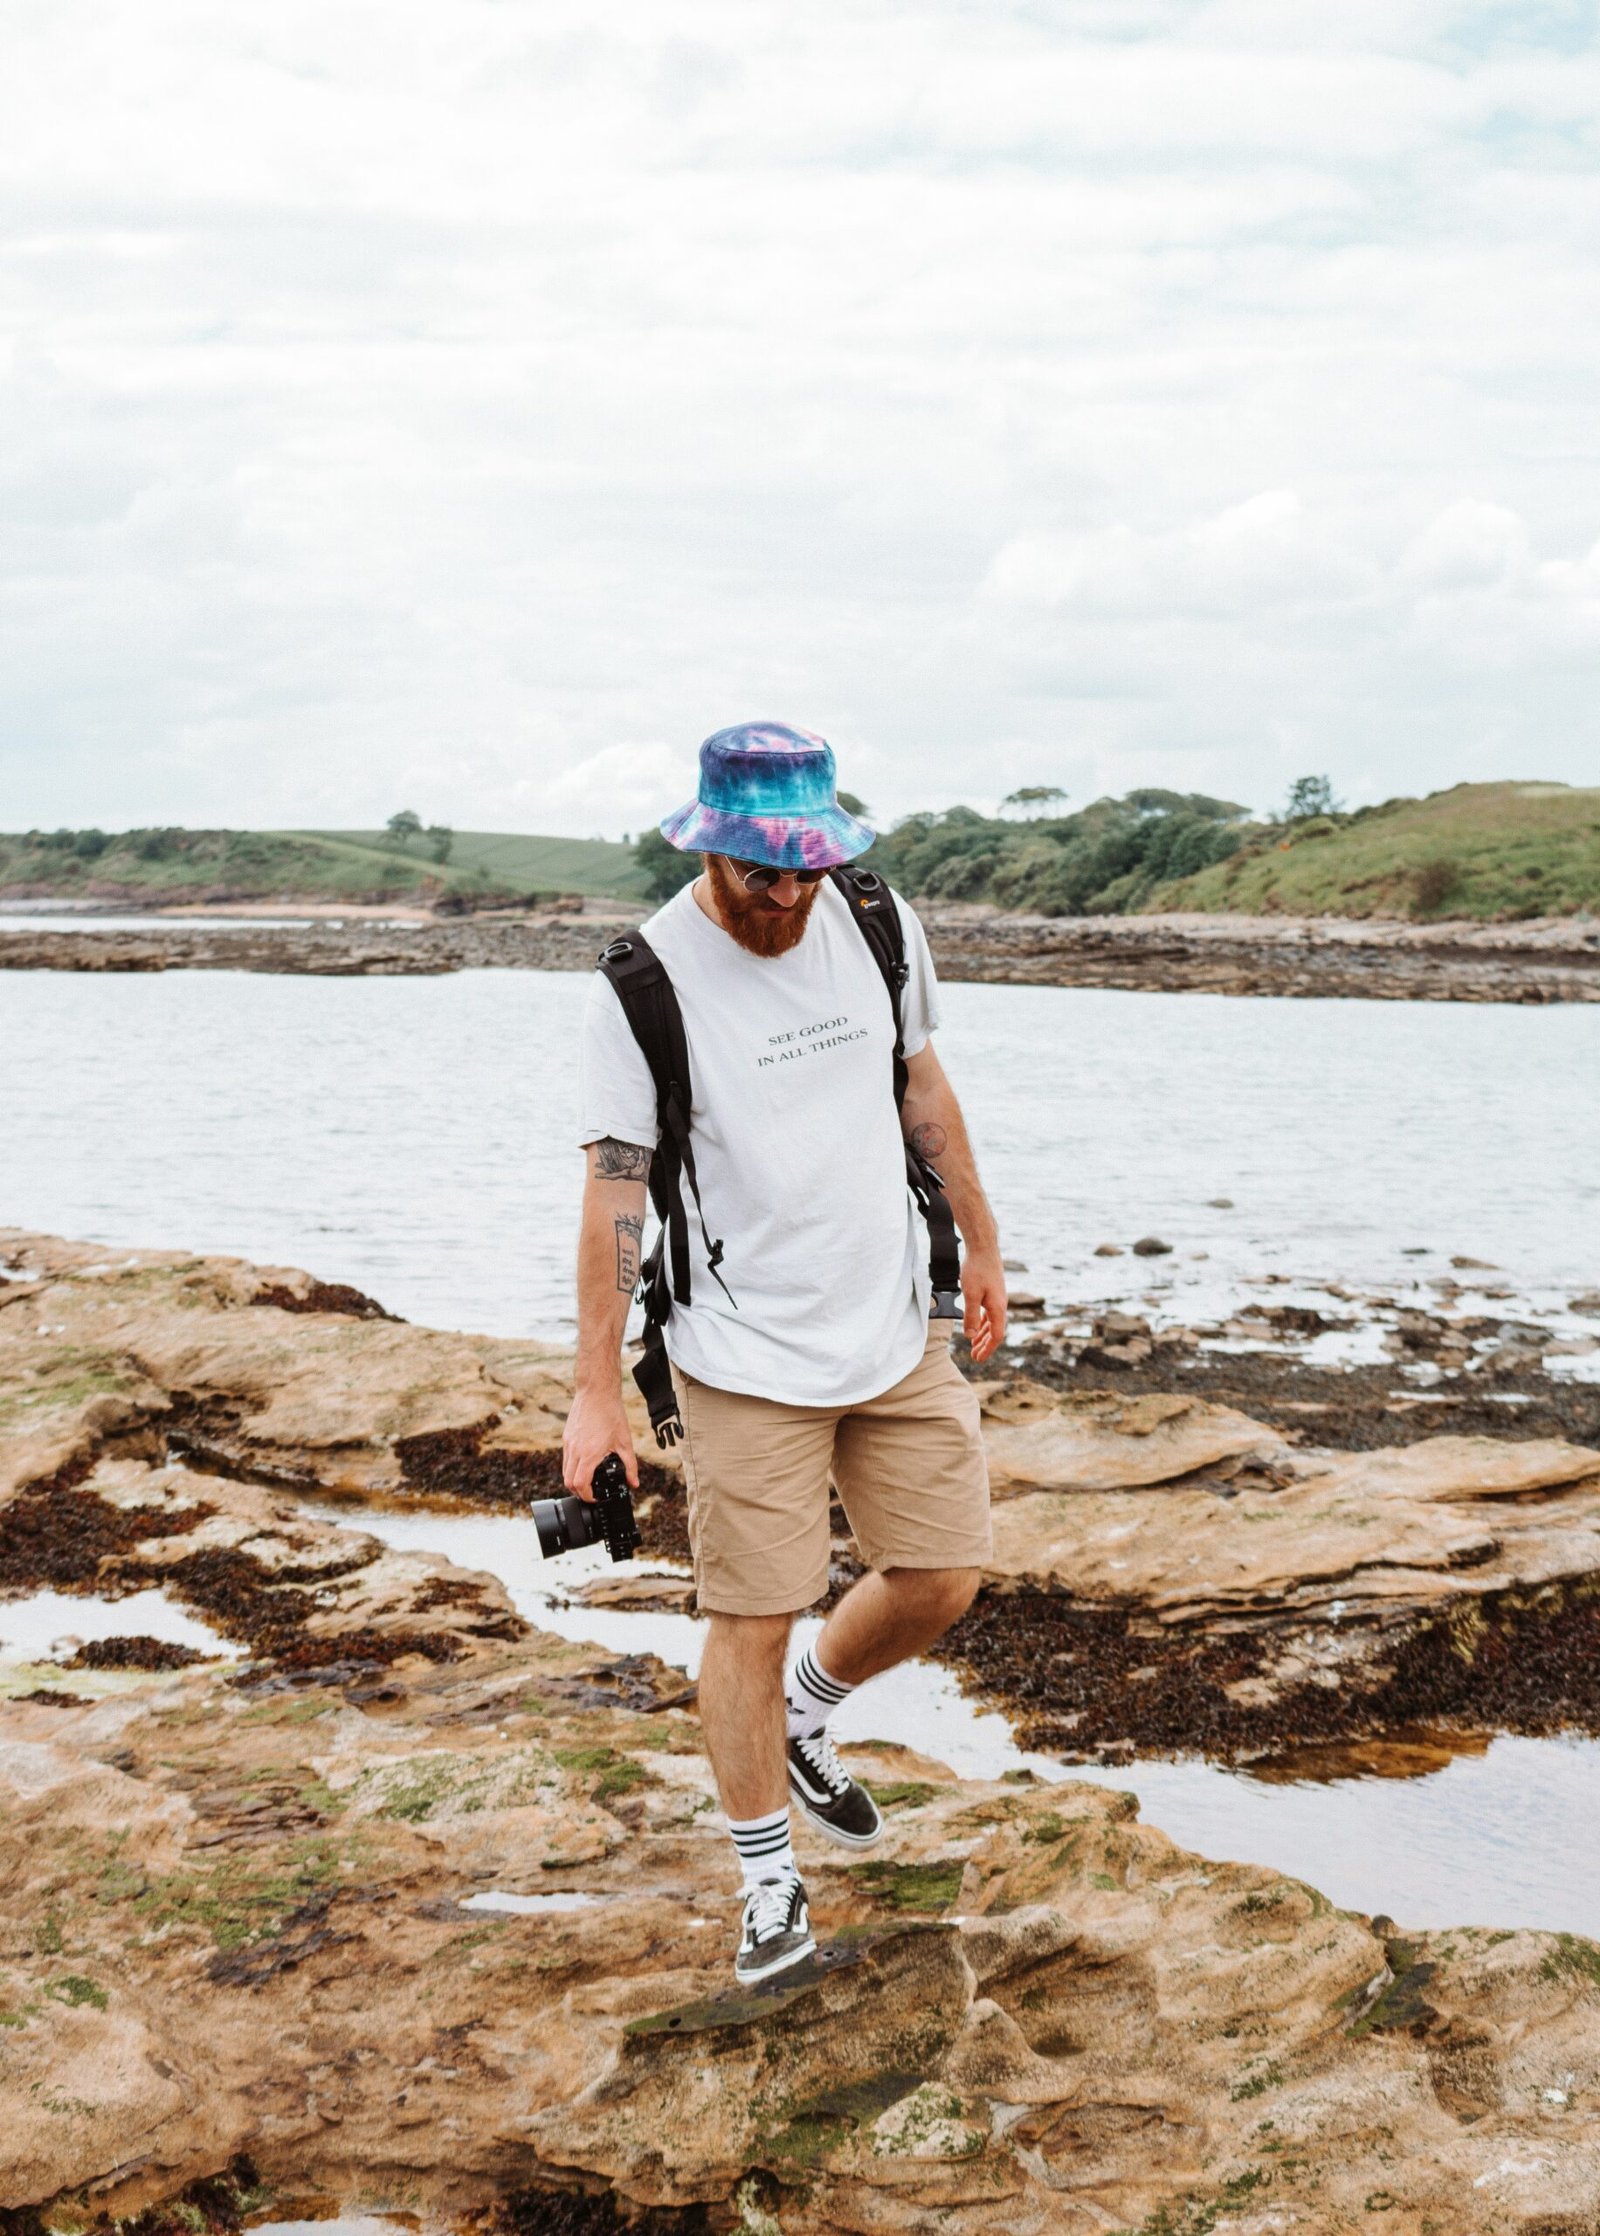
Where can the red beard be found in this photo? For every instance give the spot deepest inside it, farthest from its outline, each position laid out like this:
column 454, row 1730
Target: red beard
column 759, row 924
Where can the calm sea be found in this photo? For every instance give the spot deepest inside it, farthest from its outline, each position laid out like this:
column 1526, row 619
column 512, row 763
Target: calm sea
column 415, row 1136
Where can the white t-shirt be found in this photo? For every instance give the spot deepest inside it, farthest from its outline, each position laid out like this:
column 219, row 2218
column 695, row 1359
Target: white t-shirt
column 798, row 1149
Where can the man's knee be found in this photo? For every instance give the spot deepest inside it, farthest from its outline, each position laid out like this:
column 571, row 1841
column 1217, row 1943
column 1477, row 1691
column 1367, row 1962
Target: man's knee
column 942, row 1594
column 760, row 1640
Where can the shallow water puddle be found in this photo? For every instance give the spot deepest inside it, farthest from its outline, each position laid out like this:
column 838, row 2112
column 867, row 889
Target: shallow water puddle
column 340, row 2224
column 49, row 1626
column 11, row 921
column 1501, row 1838
column 530, row 1905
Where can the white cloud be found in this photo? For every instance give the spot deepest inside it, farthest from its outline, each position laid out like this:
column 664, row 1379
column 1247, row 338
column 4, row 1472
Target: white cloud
column 624, row 786
column 1470, row 545
column 1245, row 559
column 484, row 401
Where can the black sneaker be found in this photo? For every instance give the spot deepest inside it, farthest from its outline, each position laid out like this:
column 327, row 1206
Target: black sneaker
column 776, row 1932
column 829, row 1797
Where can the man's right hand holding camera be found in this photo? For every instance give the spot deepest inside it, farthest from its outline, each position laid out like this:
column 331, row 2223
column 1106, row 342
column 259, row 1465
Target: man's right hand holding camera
column 596, row 1425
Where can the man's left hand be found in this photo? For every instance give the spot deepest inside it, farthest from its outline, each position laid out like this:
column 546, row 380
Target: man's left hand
column 983, row 1285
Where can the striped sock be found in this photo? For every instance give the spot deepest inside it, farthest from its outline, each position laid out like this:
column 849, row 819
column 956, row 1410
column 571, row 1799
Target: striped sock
column 764, row 1849
column 813, row 1696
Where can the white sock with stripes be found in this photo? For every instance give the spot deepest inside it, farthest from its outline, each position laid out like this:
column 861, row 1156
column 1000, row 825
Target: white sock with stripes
column 764, row 1848
column 813, row 1696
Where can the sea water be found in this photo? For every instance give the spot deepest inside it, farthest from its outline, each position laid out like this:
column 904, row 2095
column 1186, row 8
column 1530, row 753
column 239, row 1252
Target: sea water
column 417, row 1136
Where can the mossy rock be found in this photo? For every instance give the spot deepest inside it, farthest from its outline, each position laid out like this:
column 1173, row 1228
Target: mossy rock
column 920, row 1887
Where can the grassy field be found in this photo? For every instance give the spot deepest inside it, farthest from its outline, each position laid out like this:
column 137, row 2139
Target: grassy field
column 159, row 867
column 523, row 862
column 1479, row 850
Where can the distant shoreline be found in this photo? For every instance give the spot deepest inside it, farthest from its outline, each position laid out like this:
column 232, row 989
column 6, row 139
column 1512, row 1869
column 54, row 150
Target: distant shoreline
column 1554, row 959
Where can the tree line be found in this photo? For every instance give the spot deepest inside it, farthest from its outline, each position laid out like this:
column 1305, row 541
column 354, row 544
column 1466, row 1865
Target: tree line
column 1105, row 859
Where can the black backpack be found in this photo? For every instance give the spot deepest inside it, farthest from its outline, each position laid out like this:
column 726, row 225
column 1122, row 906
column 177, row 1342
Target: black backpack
column 651, row 1008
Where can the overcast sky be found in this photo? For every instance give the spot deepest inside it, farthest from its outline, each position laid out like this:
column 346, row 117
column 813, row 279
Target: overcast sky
column 468, row 404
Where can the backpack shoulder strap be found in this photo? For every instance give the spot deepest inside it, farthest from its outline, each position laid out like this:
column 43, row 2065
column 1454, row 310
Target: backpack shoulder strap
column 873, row 908
column 873, row 911
column 639, row 979
column 649, row 1002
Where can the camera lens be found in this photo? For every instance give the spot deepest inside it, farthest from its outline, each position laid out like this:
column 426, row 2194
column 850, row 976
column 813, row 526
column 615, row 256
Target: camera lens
column 563, row 1524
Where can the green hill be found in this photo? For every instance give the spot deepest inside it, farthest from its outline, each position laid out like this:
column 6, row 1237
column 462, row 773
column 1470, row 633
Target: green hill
column 168, row 866
column 521, row 862
column 1478, row 850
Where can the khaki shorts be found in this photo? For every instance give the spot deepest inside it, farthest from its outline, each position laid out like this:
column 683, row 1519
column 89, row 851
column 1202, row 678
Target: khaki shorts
column 909, row 1466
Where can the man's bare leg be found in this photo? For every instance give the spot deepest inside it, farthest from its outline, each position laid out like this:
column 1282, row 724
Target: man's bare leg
column 885, row 1619
column 741, row 1711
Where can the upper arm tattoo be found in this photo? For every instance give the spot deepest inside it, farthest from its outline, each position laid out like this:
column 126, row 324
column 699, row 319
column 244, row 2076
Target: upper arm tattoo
column 621, row 1160
column 930, row 1139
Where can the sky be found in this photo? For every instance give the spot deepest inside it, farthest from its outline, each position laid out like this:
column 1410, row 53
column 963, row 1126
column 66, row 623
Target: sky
column 468, row 405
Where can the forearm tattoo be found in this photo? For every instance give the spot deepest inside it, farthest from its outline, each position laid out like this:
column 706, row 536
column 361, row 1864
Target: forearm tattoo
column 929, row 1139
column 621, row 1160
column 630, row 1229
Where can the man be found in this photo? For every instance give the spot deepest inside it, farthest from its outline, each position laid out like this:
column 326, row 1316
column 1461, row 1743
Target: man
column 806, row 1351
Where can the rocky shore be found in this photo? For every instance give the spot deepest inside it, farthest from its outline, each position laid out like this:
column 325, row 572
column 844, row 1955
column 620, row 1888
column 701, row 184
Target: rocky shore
column 1553, row 960
column 405, row 1902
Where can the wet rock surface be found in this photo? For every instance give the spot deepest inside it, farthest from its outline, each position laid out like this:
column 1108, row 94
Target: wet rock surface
column 231, row 1922
column 1171, row 1571
column 1287, row 1596
column 1544, row 960
column 1485, row 1375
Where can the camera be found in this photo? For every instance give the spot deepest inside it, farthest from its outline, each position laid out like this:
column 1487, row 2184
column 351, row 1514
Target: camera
column 564, row 1524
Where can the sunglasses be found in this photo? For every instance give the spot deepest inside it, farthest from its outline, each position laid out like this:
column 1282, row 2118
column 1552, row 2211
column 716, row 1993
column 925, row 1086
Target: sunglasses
column 760, row 877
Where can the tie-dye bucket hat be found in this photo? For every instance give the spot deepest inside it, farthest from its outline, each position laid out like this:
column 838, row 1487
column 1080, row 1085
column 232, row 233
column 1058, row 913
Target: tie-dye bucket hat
column 767, row 795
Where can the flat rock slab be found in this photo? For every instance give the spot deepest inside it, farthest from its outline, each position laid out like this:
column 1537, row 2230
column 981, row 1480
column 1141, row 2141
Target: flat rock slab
column 1094, row 1441
column 1387, row 1521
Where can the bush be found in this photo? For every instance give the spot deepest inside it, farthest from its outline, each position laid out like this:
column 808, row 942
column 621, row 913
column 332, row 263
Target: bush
column 1106, row 858
column 1432, row 884
column 1199, row 845
column 963, row 877
column 1309, row 796
column 666, row 867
